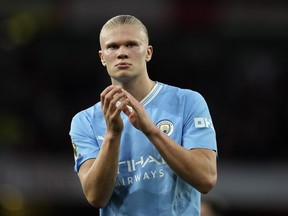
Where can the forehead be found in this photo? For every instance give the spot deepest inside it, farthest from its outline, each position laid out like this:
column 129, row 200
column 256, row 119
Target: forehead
column 114, row 34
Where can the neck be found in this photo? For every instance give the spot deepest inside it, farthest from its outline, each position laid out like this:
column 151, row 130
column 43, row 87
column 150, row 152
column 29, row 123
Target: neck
column 138, row 88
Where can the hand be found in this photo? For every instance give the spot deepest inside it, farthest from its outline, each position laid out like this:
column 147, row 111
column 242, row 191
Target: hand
column 137, row 115
column 110, row 98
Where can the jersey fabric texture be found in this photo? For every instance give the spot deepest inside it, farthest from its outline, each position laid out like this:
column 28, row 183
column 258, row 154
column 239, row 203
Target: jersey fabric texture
column 145, row 184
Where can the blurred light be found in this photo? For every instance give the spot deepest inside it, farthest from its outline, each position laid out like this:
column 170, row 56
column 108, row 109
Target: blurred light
column 10, row 198
column 5, row 41
column 17, row 31
column 11, row 130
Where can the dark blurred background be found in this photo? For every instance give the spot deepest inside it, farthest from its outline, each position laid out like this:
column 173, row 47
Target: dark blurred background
column 233, row 52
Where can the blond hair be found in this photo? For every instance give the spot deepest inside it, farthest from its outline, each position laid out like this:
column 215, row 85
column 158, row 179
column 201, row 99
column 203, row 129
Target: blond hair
column 124, row 20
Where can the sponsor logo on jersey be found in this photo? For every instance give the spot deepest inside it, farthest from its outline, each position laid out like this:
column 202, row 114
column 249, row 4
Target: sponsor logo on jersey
column 140, row 169
column 202, row 122
column 166, row 127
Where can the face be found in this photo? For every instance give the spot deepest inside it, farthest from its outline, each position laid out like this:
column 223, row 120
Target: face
column 124, row 51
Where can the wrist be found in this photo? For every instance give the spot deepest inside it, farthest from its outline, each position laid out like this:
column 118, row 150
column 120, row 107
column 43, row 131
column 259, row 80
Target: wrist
column 113, row 135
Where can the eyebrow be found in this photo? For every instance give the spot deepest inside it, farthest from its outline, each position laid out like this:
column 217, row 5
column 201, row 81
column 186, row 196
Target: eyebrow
column 126, row 42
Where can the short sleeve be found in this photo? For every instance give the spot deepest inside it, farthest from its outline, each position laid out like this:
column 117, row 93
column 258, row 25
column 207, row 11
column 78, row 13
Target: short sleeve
column 198, row 131
column 83, row 140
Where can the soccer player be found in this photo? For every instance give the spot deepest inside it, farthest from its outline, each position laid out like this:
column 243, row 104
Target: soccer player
column 146, row 148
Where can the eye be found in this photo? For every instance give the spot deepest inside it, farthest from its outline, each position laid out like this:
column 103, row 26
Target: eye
column 112, row 46
column 132, row 44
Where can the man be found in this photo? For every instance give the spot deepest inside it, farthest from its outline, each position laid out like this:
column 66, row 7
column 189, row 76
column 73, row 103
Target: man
column 147, row 148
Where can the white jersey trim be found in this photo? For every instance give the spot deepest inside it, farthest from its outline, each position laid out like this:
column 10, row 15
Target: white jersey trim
column 152, row 94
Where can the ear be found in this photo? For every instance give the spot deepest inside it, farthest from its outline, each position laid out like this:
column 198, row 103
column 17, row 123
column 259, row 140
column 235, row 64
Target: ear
column 101, row 58
column 149, row 53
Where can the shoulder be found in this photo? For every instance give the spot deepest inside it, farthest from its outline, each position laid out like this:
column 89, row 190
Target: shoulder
column 87, row 113
column 181, row 92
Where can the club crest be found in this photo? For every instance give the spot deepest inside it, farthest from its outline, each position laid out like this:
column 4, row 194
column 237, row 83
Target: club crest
column 166, row 127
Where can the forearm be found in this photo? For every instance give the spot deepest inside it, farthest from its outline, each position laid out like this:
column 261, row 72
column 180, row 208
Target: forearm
column 99, row 181
column 197, row 167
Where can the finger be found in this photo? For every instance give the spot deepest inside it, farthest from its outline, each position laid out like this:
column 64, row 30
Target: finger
column 108, row 95
column 127, row 109
column 118, row 98
column 103, row 95
column 105, row 91
column 133, row 103
column 117, row 104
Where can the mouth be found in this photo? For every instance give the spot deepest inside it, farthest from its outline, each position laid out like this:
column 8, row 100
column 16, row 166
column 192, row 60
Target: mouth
column 123, row 65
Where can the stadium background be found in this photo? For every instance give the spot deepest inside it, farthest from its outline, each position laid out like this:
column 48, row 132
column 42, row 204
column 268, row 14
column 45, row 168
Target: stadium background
column 233, row 52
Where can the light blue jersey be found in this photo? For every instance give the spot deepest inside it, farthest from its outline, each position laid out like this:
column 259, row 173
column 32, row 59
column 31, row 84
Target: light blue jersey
column 145, row 184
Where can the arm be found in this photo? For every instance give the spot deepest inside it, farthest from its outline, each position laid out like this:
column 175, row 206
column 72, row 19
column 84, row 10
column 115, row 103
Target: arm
column 196, row 166
column 98, row 176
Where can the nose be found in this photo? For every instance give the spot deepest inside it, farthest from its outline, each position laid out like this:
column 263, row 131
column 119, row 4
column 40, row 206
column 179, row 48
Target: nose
column 122, row 53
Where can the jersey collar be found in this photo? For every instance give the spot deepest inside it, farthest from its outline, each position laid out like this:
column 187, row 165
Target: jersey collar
column 152, row 94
